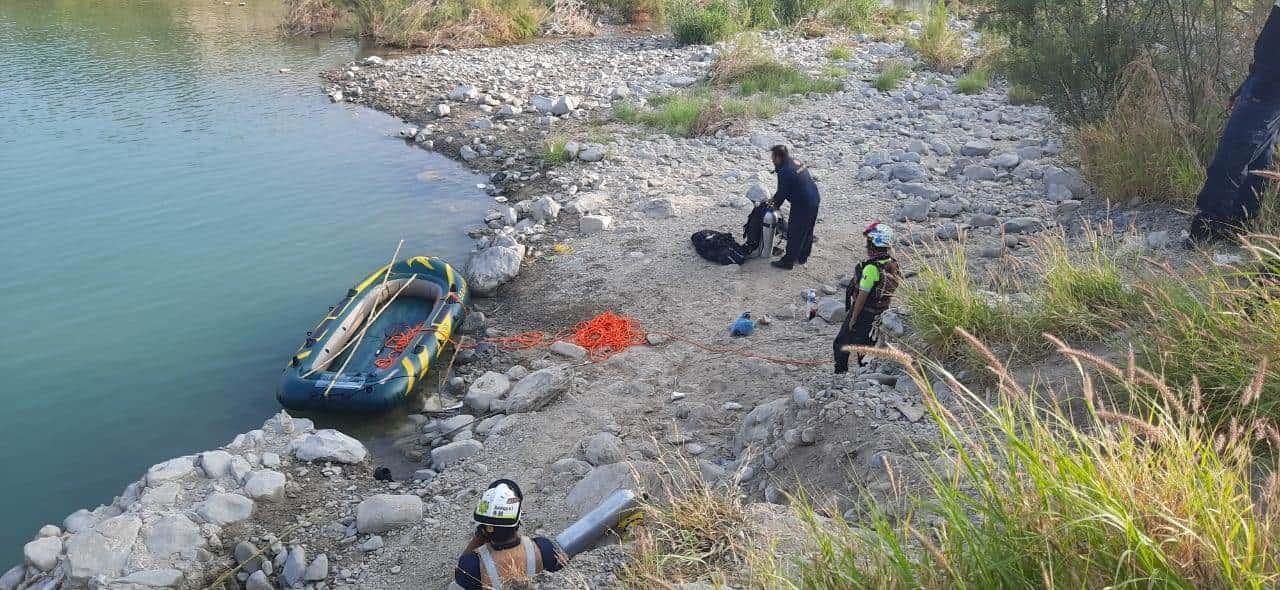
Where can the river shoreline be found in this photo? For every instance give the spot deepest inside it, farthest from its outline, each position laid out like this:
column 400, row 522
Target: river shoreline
column 606, row 233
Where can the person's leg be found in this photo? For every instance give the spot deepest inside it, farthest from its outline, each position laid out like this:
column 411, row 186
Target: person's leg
column 841, row 356
column 861, row 333
column 1230, row 191
column 800, row 234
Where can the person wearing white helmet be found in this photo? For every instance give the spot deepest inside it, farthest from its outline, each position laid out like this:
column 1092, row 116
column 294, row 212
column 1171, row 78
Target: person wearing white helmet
column 498, row 556
column 868, row 295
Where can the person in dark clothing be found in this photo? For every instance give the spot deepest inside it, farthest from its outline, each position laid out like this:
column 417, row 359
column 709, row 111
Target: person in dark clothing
column 868, row 295
column 795, row 185
column 1231, row 193
column 498, row 556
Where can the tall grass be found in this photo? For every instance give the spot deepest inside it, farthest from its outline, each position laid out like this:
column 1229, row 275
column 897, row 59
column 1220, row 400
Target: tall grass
column 426, row 23
column 310, row 17
column 974, row 82
column 694, row 23
column 939, row 46
column 855, row 16
column 692, row 114
column 892, row 73
column 1042, row 497
column 1021, row 95
column 840, row 53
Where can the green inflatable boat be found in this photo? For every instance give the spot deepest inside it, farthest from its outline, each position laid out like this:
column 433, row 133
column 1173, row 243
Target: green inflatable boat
column 378, row 342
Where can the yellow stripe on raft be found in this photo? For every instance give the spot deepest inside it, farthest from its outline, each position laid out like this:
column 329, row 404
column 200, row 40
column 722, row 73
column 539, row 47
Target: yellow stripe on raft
column 443, row 330
column 448, row 273
column 373, row 277
column 408, row 370
column 303, row 354
column 423, row 260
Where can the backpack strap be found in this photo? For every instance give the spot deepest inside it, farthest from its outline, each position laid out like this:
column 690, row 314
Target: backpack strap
column 489, row 567
column 530, row 556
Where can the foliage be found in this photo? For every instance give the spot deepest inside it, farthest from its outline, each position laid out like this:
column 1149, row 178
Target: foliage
column 700, row 112
column 840, row 53
column 892, row 73
column 696, row 23
column 1049, row 495
column 974, row 82
column 940, row 46
column 791, row 12
column 427, row 23
column 855, row 16
column 1022, row 95
column 309, row 17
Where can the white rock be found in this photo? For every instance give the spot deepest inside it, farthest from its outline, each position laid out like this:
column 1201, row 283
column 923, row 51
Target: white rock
column 484, row 391
column 564, row 105
column 79, row 520
column 13, row 578
column 468, row 154
column 223, row 508
column 587, row 494
column 442, row 110
column 445, row 455
column 831, row 310
column 318, row 571
column 756, row 425
column 542, row 104
column 270, row 460
column 464, row 93
column 536, row 390
column 103, row 549
column 373, row 61
column 384, row 512
column 215, row 464
column 603, row 448
column 161, row 578
column 173, row 537
column 328, row 445
column 569, row 350
column 758, row 193
column 295, row 563
column 165, row 495
column 594, row 224
column 49, row 530
column 592, row 152
column 42, row 553
column 265, row 485
column 545, row 210
column 170, row 470
column 492, row 267
column 258, row 581
column 239, row 469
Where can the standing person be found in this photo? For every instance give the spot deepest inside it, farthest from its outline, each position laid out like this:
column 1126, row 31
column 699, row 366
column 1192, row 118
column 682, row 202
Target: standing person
column 1231, row 193
column 795, row 185
column 498, row 556
column 869, row 293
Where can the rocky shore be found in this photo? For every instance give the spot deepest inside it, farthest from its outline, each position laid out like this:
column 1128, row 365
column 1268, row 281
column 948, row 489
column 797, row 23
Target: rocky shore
column 288, row 506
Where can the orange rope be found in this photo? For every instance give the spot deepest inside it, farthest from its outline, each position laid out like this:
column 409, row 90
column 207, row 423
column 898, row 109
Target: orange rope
column 396, row 343
column 610, row 333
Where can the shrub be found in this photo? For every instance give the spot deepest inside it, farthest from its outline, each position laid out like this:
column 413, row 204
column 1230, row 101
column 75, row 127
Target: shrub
column 791, row 12
column 840, row 53
column 761, row 14
column 1048, row 497
column 750, row 65
column 554, row 152
column 309, row 17
column 856, row 16
column 700, row 24
column 461, row 23
column 974, row 82
column 938, row 45
column 892, row 73
column 1022, row 95
column 637, row 11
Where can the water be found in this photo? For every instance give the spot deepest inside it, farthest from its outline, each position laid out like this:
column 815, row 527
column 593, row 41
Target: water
column 174, row 215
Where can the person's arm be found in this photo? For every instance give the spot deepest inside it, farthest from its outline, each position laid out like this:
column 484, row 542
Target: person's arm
column 467, row 572
column 786, row 185
column 553, row 558
column 478, row 539
column 866, row 282
column 857, row 307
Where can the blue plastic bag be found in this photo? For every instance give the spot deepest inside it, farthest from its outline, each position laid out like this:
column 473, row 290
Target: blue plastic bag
column 743, row 326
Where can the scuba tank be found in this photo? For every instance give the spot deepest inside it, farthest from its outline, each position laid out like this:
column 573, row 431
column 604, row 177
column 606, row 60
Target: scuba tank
column 768, row 234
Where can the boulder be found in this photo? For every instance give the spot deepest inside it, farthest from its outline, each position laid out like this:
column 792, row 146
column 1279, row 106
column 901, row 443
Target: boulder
column 265, row 485
column 173, row 537
column 543, row 104
column 917, row 210
column 165, row 495
column 977, row 148
column 318, row 571
column 468, row 154
column 79, row 520
column 464, row 92
column 564, row 105
column 170, row 470
column 13, row 578
column 660, row 208
column 758, row 193
column 569, row 350
column 442, row 110
column 757, row 423
column 484, row 391
column 246, row 554
column 569, row 465
column 492, row 267
column 606, row 479
column 537, row 390
column 592, row 152
column 604, row 448
column 446, row 455
column 161, row 578
column 42, row 553
column 594, row 224
column 215, row 464
column 223, row 508
column 831, row 310
column 328, row 445
column 295, row 564
column 103, row 549
column 545, row 210
column 258, row 581
column 1007, row 161
column 385, row 512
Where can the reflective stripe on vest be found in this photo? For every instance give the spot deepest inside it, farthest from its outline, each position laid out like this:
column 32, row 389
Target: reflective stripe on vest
column 489, row 565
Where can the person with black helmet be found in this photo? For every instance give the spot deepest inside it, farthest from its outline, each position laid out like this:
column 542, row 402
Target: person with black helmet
column 498, row 556
column 797, row 186
column 869, row 293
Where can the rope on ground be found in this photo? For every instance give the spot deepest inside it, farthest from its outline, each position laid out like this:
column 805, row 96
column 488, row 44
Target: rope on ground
column 609, row 333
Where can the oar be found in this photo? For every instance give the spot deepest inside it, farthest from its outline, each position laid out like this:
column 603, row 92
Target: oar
column 363, row 330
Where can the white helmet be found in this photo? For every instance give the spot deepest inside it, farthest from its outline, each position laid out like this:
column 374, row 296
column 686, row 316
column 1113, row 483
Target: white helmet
column 499, row 505
column 879, row 234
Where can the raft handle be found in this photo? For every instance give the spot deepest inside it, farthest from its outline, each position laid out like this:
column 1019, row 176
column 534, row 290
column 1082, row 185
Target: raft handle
column 419, row 349
column 293, row 362
column 310, row 341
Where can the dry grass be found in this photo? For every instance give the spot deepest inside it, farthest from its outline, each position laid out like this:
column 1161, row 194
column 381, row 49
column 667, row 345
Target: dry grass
column 450, row 23
column 311, row 17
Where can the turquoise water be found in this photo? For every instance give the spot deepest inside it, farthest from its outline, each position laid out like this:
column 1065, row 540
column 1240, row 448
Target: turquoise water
column 175, row 213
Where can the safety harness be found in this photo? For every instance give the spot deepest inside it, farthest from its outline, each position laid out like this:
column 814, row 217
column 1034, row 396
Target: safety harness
column 503, row 564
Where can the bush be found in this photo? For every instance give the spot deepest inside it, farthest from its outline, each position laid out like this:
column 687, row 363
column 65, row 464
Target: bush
column 751, row 67
column 892, row 73
column 761, row 14
column 696, row 113
column 636, row 11
column 791, row 12
column 309, row 17
column 457, row 23
column 974, row 82
column 938, row 45
column 1069, row 497
column 700, row 24
column 840, row 53
column 857, row 16
column 1022, row 95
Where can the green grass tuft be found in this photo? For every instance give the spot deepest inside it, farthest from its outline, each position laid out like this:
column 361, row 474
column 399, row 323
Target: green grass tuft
column 891, row 75
column 840, row 53
column 701, row 24
column 939, row 46
column 974, row 82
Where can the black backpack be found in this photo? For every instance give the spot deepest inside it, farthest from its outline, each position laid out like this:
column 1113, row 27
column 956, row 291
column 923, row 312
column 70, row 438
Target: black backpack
column 719, row 247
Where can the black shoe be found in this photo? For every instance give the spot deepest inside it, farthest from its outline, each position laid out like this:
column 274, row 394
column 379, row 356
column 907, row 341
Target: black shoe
column 1206, row 230
column 784, row 265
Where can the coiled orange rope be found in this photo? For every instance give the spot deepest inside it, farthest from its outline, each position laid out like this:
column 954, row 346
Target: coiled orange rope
column 396, row 343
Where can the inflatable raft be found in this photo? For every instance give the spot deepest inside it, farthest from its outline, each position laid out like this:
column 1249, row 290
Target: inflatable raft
column 378, row 342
